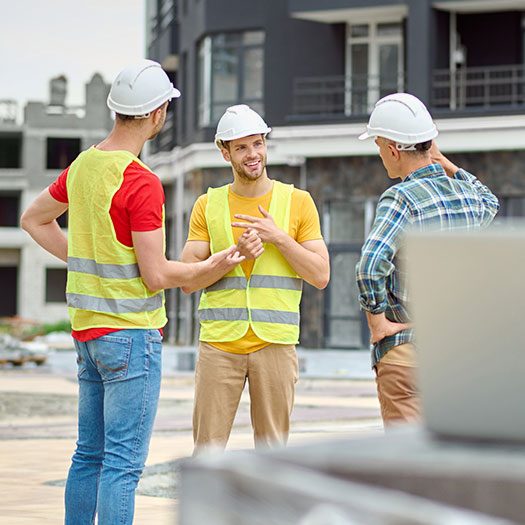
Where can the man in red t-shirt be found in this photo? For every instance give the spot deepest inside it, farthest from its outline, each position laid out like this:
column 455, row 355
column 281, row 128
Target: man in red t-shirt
column 117, row 270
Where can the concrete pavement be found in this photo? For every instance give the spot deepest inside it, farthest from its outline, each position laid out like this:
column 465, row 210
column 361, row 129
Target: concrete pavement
column 38, row 430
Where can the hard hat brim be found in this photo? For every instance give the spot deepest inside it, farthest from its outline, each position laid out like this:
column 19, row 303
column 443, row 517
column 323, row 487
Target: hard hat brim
column 175, row 93
column 365, row 136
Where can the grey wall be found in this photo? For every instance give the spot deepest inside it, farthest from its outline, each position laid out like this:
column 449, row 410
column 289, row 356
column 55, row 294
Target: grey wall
column 292, row 48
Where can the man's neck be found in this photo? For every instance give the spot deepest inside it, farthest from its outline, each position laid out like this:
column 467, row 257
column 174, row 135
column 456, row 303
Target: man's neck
column 256, row 188
column 414, row 165
column 121, row 139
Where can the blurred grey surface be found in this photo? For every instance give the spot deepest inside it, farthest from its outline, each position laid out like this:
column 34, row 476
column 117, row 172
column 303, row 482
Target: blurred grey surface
column 405, row 477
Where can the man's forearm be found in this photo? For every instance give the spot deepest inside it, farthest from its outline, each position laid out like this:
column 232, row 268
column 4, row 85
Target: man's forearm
column 50, row 237
column 200, row 275
column 310, row 266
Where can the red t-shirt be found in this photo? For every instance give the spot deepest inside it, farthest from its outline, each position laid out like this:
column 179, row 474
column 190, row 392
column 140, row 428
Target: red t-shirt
column 136, row 206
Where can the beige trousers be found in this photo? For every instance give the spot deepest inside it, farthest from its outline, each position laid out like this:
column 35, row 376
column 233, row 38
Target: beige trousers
column 397, row 391
column 219, row 381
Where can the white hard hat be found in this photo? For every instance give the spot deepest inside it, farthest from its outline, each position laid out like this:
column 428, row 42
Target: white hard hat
column 403, row 118
column 141, row 88
column 240, row 121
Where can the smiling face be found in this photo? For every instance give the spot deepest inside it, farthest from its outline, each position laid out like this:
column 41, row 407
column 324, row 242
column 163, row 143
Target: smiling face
column 247, row 156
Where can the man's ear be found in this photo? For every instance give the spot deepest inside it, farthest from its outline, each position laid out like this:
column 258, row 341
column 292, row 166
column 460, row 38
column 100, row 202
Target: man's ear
column 394, row 152
column 226, row 154
column 156, row 115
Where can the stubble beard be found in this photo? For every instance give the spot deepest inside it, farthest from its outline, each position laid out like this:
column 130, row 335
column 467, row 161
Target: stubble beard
column 249, row 176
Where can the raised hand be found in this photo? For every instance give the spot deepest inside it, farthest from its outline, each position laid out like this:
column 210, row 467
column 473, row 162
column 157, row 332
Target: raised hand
column 438, row 158
column 265, row 226
column 250, row 244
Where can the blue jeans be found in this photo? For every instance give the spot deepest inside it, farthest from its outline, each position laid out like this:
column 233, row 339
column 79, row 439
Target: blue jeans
column 119, row 384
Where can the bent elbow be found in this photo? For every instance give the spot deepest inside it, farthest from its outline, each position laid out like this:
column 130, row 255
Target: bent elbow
column 153, row 283
column 322, row 282
column 25, row 223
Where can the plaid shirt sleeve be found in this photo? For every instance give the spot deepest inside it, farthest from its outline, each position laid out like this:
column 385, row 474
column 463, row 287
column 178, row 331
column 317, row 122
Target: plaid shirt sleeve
column 489, row 199
column 379, row 250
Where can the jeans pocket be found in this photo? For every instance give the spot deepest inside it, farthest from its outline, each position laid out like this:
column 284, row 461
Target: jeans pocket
column 111, row 355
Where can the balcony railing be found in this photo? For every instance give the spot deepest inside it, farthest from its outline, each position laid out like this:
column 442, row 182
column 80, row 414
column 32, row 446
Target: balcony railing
column 340, row 96
column 473, row 87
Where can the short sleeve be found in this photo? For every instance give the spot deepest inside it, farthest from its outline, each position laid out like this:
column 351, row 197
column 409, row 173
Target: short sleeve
column 309, row 226
column 145, row 200
column 198, row 229
column 58, row 189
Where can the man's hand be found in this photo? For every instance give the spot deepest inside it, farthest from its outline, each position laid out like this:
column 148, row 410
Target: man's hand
column 380, row 327
column 225, row 260
column 265, row 226
column 250, row 244
column 438, row 158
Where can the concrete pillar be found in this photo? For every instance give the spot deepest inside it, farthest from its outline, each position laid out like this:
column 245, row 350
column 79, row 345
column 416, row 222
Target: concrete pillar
column 420, row 36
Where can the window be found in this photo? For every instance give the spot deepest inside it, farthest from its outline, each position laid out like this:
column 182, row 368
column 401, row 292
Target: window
column 10, row 151
column 56, row 285
column 8, row 299
column 9, row 208
column 61, row 152
column 230, row 71
column 374, row 65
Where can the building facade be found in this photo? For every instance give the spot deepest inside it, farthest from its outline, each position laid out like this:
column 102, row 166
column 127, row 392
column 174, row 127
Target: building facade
column 314, row 69
column 32, row 154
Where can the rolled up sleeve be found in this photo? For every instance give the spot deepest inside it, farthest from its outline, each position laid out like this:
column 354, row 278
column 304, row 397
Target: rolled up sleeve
column 490, row 201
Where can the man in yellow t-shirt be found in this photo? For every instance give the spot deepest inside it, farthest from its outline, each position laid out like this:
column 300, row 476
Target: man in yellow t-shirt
column 250, row 317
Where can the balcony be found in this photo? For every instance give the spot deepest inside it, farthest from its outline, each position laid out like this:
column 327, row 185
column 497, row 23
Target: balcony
column 340, row 97
column 496, row 87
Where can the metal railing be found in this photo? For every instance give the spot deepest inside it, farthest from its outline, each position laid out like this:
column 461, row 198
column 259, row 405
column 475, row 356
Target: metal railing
column 340, row 96
column 485, row 87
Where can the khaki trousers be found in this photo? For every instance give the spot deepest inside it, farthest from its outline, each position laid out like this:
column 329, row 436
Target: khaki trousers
column 219, row 381
column 397, row 392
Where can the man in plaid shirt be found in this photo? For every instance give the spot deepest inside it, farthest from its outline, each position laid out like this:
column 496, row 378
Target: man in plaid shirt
column 433, row 194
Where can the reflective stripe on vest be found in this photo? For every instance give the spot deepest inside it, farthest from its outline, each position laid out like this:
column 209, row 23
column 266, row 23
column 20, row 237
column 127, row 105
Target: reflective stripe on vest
column 108, row 271
column 114, row 306
column 241, row 314
column 223, row 314
column 228, row 283
column 257, row 281
column 273, row 281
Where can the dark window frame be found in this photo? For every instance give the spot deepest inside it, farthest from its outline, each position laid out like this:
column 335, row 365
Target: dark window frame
column 241, row 49
column 61, row 151
column 54, row 293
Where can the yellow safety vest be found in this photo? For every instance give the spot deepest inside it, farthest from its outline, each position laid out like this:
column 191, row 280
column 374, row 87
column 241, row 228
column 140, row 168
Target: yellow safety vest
column 104, row 287
column 269, row 300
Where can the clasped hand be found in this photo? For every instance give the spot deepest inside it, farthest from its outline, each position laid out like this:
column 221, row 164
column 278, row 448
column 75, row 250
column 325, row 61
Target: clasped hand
column 264, row 226
column 250, row 244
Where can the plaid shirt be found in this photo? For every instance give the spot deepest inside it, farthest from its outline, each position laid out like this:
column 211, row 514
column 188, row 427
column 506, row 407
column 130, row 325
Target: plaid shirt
column 426, row 200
